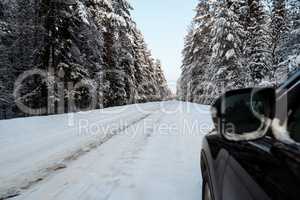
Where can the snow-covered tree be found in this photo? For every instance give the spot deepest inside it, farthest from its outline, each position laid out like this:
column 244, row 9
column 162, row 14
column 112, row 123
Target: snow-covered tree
column 186, row 76
column 161, row 82
column 115, row 93
column 279, row 35
column 202, row 51
column 293, row 42
column 147, row 72
column 226, row 70
column 239, row 43
column 258, row 50
column 93, row 43
column 196, row 53
column 125, row 49
column 6, row 40
column 140, row 65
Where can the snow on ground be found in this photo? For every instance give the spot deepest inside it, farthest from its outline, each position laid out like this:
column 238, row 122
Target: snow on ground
column 149, row 151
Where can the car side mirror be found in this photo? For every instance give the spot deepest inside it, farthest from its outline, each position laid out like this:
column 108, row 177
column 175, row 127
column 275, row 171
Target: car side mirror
column 245, row 114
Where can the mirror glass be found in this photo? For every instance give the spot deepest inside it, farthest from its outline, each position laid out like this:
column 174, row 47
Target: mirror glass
column 245, row 114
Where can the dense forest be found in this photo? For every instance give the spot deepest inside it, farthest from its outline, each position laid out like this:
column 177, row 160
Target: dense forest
column 60, row 56
column 234, row 44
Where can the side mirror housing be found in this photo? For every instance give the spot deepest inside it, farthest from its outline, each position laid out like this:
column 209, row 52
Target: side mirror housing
column 245, row 114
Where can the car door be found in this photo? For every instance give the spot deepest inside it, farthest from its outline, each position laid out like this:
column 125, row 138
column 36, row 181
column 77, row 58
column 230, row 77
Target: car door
column 262, row 169
column 268, row 168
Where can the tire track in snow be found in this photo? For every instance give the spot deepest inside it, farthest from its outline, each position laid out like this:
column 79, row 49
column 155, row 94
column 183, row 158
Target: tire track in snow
column 128, row 158
column 51, row 170
column 155, row 163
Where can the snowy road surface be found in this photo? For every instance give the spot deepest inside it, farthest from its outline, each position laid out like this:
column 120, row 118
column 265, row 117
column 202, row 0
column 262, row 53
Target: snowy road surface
column 138, row 152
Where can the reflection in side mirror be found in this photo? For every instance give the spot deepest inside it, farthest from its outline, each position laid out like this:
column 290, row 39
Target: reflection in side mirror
column 244, row 114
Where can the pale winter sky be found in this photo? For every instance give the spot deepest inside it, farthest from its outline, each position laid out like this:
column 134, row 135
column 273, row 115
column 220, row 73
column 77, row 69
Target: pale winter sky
column 164, row 24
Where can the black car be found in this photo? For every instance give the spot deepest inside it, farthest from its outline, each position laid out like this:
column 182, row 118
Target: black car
column 254, row 151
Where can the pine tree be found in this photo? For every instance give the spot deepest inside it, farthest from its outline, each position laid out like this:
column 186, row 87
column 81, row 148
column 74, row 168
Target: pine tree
column 197, row 53
column 213, row 53
column 249, row 45
column 125, row 50
column 140, row 64
column 116, row 57
column 258, row 44
column 70, row 52
column 226, row 70
column 22, row 53
column 58, row 42
column 152, row 85
column 280, row 30
column 6, row 40
column 202, row 52
column 144, row 70
column 161, row 82
column 184, row 91
column 77, row 43
column 293, row 42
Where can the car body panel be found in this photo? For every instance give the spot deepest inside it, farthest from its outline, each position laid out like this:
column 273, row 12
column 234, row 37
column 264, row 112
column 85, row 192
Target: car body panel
column 262, row 169
column 250, row 170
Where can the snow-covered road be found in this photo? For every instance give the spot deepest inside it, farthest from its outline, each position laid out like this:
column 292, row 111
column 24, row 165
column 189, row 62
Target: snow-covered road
column 138, row 152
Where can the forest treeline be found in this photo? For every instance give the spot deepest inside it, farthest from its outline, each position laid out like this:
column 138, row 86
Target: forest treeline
column 234, row 44
column 61, row 56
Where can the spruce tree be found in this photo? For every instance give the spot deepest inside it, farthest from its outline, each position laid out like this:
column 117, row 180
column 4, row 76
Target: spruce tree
column 139, row 65
column 280, row 30
column 226, row 70
column 187, row 61
column 77, row 43
column 197, row 53
column 6, row 41
column 125, row 50
column 293, row 42
column 202, row 52
column 258, row 44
